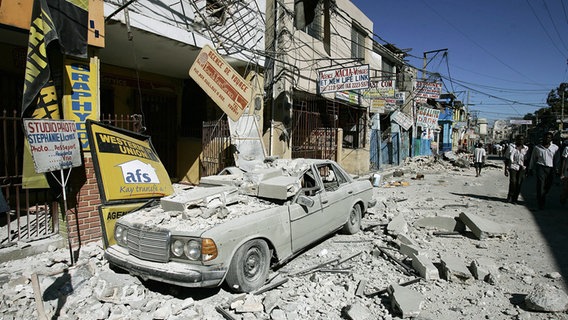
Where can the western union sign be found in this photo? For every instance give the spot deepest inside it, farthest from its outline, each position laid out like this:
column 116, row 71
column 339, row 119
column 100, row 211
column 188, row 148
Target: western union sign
column 126, row 165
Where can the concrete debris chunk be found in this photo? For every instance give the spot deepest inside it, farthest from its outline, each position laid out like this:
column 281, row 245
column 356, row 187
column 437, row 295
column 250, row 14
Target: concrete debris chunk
column 409, row 250
column 404, row 301
column 454, row 269
column 484, row 269
column 251, row 303
column 210, row 198
column 482, row 228
column 547, row 298
column 404, row 238
column 440, row 223
column 357, row 311
column 425, row 268
column 397, row 225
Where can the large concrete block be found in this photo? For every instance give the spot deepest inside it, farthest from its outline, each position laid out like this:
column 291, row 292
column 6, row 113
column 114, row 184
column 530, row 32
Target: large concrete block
column 482, row 228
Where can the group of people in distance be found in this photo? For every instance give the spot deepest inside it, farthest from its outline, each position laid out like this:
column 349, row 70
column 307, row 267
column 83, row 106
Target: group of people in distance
column 545, row 160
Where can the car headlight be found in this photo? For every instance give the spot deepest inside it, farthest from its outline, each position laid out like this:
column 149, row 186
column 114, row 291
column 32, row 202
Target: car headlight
column 177, row 247
column 192, row 250
column 121, row 235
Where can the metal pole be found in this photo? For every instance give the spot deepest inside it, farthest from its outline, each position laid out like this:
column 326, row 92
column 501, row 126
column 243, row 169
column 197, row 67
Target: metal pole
column 63, row 183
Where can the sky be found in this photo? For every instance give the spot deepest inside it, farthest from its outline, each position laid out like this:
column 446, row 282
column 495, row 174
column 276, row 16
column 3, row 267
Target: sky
column 503, row 56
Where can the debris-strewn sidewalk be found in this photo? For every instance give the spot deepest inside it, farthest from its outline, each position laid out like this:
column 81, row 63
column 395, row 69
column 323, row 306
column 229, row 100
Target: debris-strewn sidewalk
column 440, row 244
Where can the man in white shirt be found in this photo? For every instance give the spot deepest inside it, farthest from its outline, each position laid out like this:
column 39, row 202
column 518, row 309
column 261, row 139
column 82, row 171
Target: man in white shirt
column 516, row 158
column 479, row 158
column 543, row 162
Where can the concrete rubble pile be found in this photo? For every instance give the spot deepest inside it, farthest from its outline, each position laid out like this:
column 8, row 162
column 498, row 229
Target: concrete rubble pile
column 412, row 251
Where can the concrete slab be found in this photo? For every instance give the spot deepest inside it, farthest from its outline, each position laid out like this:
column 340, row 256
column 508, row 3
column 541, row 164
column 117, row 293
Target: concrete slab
column 454, row 268
column 440, row 223
column 482, row 228
column 425, row 268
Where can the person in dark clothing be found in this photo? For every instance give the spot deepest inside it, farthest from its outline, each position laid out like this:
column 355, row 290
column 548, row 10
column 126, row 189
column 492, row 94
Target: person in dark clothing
column 544, row 161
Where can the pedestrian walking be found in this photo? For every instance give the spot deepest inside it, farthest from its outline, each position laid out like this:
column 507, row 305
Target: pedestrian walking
column 516, row 159
column 544, row 162
column 479, row 155
column 564, row 174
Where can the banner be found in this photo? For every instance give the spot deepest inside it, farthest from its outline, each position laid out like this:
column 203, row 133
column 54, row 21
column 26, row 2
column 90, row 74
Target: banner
column 64, row 21
column 126, row 165
column 52, row 20
column 81, row 95
column 109, row 214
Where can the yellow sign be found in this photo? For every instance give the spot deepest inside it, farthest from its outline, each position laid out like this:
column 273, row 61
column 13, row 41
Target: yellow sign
column 109, row 214
column 80, row 97
column 221, row 82
column 126, row 165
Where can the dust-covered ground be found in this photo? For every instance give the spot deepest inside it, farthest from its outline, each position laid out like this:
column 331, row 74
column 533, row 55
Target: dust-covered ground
column 516, row 270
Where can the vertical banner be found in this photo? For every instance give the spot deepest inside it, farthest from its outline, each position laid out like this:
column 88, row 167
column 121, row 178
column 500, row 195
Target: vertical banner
column 63, row 21
column 80, row 95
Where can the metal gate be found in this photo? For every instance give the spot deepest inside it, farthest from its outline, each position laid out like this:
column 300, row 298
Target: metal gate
column 217, row 152
column 33, row 213
column 314, row 133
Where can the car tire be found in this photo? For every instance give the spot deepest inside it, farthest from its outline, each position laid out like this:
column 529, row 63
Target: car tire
column 353, row 224
column 249, row 266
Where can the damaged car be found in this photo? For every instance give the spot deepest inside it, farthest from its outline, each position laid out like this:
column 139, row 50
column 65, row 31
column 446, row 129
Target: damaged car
column 234, row 227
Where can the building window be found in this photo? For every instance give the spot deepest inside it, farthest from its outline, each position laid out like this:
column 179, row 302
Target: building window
column 315, row 29
column 357, row 43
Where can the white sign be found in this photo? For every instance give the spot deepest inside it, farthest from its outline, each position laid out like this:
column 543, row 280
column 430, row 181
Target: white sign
column 54, row 144
column 136, row 171
column 427, row 118
column 231, row 92
column 427, row 90
column 403, row 120
column 513, row 121
column 353, row 78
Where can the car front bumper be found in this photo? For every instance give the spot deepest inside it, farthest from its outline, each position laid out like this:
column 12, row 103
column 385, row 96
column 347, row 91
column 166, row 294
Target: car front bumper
column 178, row 273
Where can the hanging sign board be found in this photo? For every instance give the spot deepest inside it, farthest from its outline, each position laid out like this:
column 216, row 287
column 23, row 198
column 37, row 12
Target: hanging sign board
column 54, row 144
column 427, row 118
column 126, row 165
column 403, row 120
column 221, row 82
column 352, row 78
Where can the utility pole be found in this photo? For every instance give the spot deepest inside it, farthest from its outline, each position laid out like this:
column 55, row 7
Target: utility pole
column 425, row 63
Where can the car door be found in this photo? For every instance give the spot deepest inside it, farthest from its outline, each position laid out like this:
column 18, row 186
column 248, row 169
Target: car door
column 307, row 222
column 337, row 195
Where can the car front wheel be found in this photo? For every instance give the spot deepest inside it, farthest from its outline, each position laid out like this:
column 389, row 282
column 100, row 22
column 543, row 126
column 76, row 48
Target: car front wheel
column 353, row 223
column 249, row 266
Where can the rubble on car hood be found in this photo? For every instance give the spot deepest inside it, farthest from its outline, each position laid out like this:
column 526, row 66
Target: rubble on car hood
column 229, row 195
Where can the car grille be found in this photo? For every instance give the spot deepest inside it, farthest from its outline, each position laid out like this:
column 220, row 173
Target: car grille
column 149, row 245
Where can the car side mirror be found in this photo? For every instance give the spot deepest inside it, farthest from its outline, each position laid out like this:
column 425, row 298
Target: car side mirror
column 305, row 201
